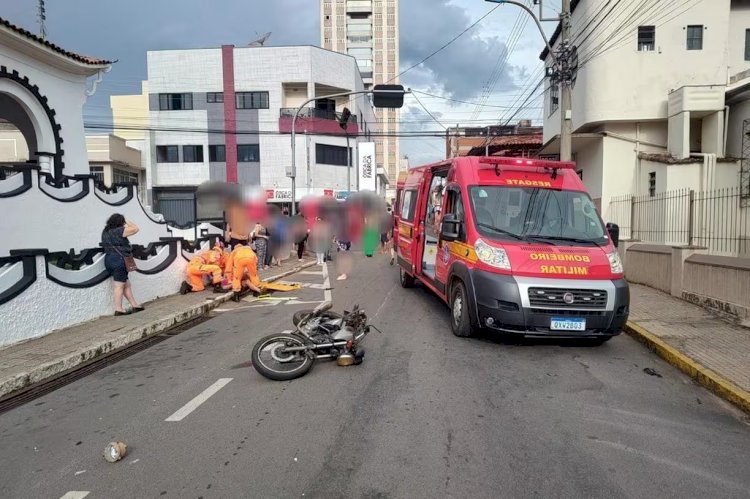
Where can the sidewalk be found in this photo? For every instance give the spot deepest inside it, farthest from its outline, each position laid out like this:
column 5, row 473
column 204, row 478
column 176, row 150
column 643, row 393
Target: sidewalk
column 713, row 352
column 27, row 363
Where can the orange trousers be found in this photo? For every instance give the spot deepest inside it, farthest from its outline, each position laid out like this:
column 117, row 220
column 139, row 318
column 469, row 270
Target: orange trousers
column 196, row 272
column 242, row 265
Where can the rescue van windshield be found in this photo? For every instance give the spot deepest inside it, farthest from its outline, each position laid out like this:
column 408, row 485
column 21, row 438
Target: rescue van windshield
column 540, row 214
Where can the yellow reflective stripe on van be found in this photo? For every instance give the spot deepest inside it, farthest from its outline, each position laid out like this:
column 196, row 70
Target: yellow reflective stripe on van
column 462, row 251
column 404, row 230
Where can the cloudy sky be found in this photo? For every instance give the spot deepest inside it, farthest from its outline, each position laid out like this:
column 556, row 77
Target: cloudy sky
column 493, row 66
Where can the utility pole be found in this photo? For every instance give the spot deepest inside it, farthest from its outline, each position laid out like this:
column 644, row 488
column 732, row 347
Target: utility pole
column 487, row 142
column 566, row 122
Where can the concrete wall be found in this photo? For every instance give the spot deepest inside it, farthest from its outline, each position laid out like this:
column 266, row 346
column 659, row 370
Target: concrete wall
column 130, row 111
column 650, row 265
column 739, row 21
column 719, row 283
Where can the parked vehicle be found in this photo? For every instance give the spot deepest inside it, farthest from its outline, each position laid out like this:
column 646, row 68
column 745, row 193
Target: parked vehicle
column 513, row 245
column 319, row 334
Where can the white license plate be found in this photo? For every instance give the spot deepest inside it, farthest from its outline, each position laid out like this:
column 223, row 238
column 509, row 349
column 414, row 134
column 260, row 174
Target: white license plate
column 568, row 324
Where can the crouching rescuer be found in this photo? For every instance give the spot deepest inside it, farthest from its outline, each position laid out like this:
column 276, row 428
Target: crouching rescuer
column 242, row 268
column 208, row 263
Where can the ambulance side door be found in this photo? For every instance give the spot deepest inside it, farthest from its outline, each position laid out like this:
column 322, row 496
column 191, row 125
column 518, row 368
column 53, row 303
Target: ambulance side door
column 406, row 227
column 452, row 204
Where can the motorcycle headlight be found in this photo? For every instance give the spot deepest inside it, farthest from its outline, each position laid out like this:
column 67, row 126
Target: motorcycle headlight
column 615, row 264
column 495, row 257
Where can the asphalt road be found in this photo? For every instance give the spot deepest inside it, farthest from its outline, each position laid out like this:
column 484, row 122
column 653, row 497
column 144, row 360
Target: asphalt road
column 426, row 415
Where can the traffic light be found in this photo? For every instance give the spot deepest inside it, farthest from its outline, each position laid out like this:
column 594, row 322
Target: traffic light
column 390, row 96
column 344, row 118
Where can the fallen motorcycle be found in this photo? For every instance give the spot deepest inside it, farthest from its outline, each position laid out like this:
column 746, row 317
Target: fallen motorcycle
column 319, row 334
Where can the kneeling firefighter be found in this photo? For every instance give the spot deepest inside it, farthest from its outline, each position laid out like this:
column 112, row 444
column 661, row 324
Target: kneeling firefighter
column 242, row 268
column 207, row 263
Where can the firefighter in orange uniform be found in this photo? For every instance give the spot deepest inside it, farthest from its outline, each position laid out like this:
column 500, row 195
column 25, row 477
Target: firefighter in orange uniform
column 209, row 262
column 243, row 260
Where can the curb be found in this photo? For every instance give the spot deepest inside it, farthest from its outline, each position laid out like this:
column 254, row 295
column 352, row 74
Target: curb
column 701, row 374
column 20, row 382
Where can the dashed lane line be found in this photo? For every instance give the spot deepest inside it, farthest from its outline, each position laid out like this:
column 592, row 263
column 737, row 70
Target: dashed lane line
column 326, row 284
column 76, row 494
column 185, row 410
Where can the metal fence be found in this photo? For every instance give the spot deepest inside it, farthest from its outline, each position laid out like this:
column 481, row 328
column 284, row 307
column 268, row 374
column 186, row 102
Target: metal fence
column 716, row 219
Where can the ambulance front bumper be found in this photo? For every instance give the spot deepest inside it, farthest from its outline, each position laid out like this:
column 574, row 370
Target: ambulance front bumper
column 566, row 308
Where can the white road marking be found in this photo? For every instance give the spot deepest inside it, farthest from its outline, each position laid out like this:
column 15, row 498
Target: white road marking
column 310, row 272
column 327, row 284
column 76, row 494
column 197, row 401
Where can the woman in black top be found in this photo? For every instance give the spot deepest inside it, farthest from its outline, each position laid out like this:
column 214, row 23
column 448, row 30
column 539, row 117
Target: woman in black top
column 116, row 249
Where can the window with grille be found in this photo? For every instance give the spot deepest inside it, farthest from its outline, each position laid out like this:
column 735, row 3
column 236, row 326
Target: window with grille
column 695, row 37
column 175, row 102
column 646, row 38
column 98, row 173
column 747, row 44
column 124, row 177
column 652, row 184
column 251, row 100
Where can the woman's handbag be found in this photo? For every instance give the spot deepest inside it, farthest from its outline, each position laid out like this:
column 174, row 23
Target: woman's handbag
column 130, row 265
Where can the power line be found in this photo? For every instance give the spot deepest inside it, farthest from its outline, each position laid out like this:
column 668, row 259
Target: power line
column 444, row 46
column 428, row 111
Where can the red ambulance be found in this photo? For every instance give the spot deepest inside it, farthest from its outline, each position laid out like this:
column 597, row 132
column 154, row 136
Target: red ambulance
column 513, row 245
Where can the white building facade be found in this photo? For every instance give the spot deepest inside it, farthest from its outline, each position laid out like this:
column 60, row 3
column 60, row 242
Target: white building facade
column 225, row 114
column 652, row 103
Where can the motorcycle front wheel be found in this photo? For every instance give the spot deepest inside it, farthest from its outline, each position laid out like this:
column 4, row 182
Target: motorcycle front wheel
column 270, row 359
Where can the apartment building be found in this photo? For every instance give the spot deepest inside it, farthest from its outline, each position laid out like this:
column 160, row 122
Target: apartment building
column 661, row 96
column 369, row 31
column 225, row 114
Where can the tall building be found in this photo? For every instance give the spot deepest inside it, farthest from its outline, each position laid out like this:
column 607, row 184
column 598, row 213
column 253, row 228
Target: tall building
column 368, row 30
column 225, row 114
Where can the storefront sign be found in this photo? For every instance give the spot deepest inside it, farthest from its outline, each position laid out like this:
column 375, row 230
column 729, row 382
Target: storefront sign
column 367, row 167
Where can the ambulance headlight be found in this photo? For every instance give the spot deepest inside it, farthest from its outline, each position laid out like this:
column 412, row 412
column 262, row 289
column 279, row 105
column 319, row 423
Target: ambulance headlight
column 615, row 264
column 494, row 257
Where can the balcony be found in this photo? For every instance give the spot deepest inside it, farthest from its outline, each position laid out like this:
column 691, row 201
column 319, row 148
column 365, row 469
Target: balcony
column 313, row 120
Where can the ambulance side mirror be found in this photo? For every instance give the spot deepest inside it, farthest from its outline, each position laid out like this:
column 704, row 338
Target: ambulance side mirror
column 450, row 229
column 614, row 233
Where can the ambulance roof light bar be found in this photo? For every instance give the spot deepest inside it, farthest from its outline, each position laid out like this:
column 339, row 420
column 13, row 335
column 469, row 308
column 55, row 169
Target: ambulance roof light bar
column 497, row 162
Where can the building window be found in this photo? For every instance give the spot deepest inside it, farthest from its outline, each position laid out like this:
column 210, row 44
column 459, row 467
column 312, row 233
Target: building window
column 217, row 153
column 252, row 100
column 331, row 155
column 192, row 154
column 215, row 97
column 175, row 102
column 98, row 173
column 167, row 154
column 646, row 38
column 554, row 99
column 695, row 37
column 747, row 44
column 124, row 177
column 248, row 153
column 652, row 184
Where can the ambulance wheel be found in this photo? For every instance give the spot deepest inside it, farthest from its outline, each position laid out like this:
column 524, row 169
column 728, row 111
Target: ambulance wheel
column 460, row 321
column 405, row 279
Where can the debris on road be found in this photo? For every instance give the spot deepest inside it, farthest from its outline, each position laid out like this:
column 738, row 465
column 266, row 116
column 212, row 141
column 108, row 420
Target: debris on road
column 651, row 372
column 114, row 451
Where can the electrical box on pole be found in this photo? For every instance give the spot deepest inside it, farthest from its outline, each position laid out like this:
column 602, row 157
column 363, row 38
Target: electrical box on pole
column 388, row 96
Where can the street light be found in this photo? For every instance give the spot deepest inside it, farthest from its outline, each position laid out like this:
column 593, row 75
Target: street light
column 388, row 96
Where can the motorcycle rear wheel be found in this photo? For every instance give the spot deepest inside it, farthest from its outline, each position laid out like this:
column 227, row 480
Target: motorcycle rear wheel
column 271, row 368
